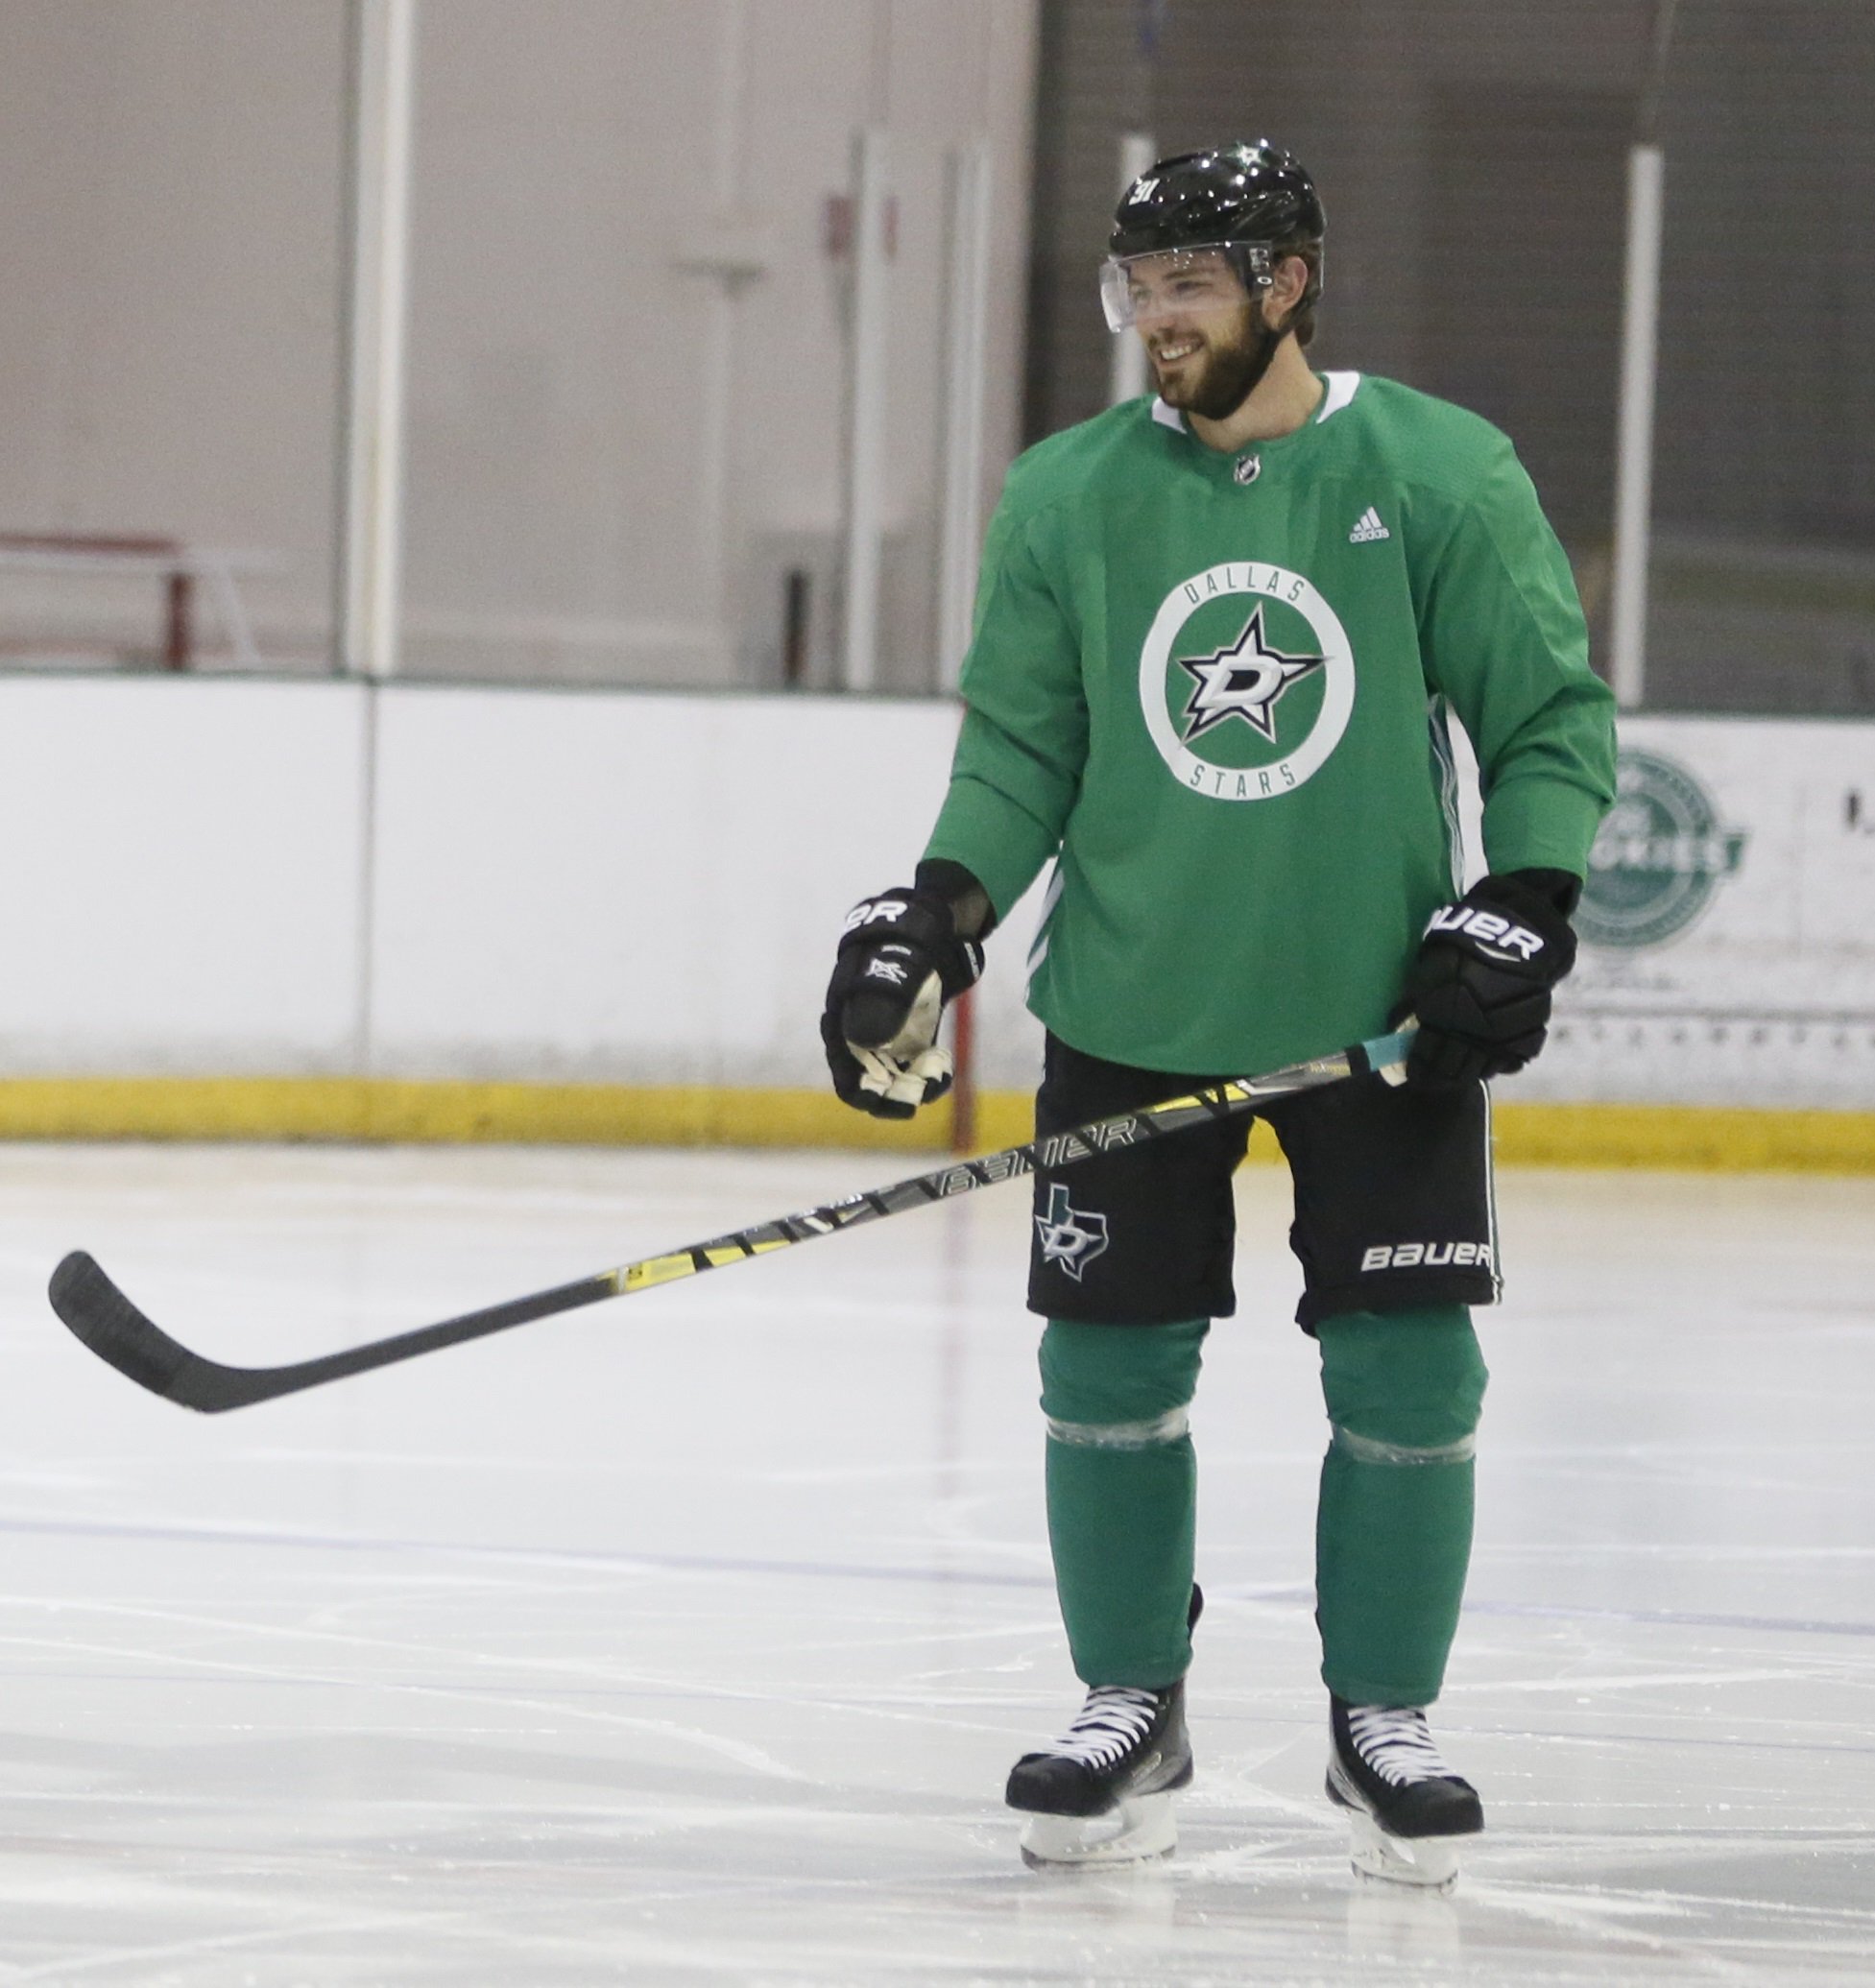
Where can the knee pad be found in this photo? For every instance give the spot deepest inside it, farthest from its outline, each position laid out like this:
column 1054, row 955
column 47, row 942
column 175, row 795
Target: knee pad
column 1410, row 1383
column 1119, row 1387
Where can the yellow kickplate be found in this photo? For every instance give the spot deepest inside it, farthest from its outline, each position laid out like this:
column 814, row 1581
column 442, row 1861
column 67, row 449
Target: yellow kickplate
column 1707, row 1139
column 395, row 1111
column 391, row 1110
column 1697, row 1137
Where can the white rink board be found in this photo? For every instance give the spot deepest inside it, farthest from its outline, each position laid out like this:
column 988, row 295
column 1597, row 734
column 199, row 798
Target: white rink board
column 180, row 889
column 631, row 889
column 230, row 877
column 1766, row 993
column 643, row 887
column 225, row 879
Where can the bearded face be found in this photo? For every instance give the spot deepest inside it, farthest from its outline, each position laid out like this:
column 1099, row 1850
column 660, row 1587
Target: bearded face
column 1211, row 370
column 1204, row 332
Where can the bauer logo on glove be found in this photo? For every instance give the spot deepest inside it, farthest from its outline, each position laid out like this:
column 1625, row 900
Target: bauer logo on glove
column 1495, row 937
column 900, row 959
column 872, row 911
column 1482, row 983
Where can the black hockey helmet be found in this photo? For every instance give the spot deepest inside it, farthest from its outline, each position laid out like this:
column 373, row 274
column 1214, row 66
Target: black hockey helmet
column 1231, row 193
column 1247, row 199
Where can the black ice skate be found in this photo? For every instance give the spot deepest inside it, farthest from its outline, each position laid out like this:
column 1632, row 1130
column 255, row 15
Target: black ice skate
column 1406, row 1806
column 1102, row 1793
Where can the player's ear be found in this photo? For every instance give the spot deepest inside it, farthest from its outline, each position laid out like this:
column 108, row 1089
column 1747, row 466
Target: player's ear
column 1287, row 280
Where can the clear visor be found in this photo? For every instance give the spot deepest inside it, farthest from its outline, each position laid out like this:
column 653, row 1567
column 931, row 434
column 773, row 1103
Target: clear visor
column 1168, row 282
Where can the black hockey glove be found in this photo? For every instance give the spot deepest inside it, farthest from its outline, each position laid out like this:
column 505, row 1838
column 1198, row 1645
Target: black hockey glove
column 1481, row 982
column 901, row 957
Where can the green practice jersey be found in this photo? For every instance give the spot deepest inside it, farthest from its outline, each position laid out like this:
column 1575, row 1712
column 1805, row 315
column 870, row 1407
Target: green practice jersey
column 1214, row 687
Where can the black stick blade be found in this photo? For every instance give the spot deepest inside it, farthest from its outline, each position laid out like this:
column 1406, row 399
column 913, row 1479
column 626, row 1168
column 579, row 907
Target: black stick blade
column 102, row 1318
column 106, row 1321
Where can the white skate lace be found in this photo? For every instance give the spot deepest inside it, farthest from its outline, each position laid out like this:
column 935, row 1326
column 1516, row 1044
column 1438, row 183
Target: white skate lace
column 1394, row 1742
column 1113, row 1718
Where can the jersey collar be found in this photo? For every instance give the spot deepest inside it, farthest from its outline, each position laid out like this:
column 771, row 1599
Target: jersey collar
column 1340, row 388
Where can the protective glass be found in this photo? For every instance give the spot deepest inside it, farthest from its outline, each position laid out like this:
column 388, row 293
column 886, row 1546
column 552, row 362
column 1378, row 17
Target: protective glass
column 1208, row 276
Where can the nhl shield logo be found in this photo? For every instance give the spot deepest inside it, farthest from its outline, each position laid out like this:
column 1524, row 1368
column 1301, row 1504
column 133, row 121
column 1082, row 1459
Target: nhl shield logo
column 1070, row 1236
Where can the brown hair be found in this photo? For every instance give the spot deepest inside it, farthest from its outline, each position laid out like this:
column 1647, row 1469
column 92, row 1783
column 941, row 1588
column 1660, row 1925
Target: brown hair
column 1308, row 250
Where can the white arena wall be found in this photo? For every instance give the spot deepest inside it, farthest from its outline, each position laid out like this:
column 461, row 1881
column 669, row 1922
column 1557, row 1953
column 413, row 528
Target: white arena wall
column 219, row 882
column 219, row 876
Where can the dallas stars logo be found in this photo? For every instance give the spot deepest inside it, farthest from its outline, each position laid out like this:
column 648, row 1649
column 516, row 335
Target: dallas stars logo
column 1070, row 1237
column 1247, row 681
column 1244, row 680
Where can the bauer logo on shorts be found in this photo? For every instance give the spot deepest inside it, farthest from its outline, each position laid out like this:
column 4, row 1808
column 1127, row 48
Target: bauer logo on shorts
column 1247, row 681
column 1070, row 1237
column 1427, row 1255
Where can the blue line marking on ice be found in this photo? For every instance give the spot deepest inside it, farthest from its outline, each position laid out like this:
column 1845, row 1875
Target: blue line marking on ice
column 847, row 1571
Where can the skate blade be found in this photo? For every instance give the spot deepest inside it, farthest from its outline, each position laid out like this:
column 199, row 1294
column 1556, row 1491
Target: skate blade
column 1428, row 1861
column 1131, row 1831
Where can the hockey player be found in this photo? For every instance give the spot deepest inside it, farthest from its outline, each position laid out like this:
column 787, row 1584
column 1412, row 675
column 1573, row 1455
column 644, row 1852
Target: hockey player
column 1218, row 635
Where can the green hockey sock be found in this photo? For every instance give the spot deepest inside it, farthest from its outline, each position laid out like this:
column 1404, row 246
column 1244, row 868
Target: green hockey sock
column 1122, row 1494
column 1393, row 1530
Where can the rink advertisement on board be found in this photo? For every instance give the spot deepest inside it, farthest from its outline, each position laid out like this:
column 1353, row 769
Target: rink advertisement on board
column 1728, row 923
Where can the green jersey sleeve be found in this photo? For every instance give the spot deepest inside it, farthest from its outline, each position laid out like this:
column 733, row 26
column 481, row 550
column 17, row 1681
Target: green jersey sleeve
column 1502, row 638
column 1023, row 743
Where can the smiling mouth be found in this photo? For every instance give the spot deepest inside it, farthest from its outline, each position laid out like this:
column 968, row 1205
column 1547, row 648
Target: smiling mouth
column 1175, row 354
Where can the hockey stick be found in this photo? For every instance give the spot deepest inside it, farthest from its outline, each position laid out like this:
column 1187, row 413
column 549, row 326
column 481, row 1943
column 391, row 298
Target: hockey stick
column 106, row 1321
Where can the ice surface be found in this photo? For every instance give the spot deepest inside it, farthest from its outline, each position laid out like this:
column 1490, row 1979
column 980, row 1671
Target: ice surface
column 691, row 1638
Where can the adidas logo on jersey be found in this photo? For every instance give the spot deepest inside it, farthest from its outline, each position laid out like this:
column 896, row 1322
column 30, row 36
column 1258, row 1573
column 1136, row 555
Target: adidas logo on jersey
column 1368, row 526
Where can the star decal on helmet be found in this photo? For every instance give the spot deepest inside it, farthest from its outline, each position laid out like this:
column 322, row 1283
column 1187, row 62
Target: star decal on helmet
column 1244, row 680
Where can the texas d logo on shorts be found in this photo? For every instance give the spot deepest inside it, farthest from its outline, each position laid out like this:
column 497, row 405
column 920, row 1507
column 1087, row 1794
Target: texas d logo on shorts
column 1070, row 1237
